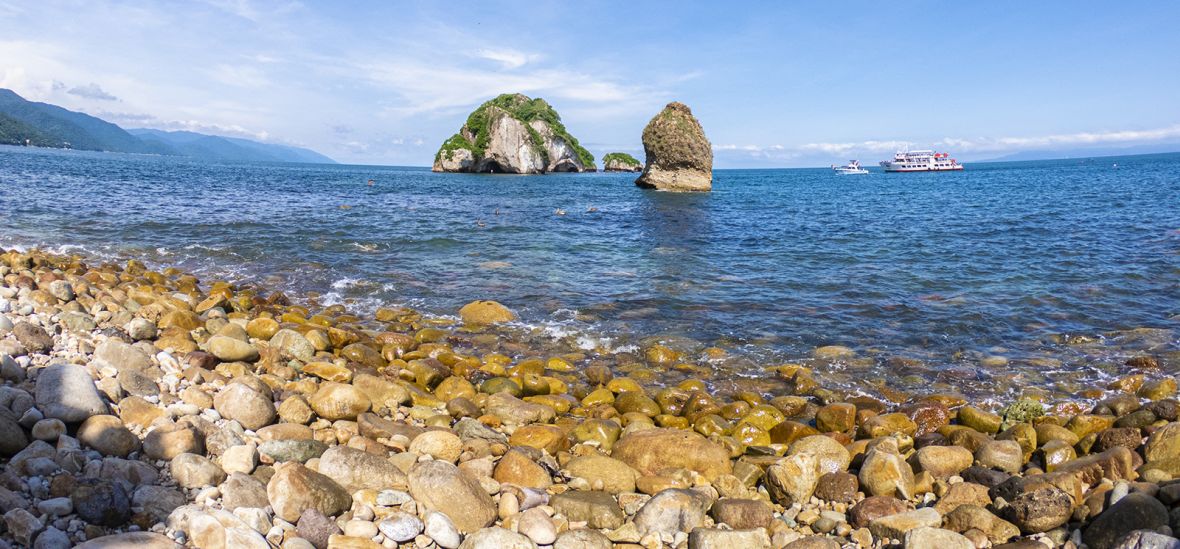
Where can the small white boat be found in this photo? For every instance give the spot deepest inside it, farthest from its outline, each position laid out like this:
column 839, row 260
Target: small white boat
column 852, row 168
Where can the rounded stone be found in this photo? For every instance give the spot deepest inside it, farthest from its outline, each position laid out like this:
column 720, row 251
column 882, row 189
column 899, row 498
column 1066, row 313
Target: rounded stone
column 246, row 405
column 108, row 435
column 443, row 445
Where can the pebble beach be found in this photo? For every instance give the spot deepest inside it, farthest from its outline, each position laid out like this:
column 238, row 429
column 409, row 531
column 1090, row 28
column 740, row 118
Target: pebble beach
column 148, row 408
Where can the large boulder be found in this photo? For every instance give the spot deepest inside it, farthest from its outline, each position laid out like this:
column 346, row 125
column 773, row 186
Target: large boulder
column 654, row 450
column 513, row 134
column 679, row 156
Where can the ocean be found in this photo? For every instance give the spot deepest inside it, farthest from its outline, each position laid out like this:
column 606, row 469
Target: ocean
column 990, row 282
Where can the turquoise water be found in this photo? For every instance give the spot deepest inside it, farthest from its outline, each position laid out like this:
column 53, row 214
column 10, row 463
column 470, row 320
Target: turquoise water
column 1074, row 261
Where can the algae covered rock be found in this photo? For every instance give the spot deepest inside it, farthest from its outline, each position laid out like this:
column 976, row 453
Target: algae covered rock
column 513, row 134
column 679, row 156
column 621, row 162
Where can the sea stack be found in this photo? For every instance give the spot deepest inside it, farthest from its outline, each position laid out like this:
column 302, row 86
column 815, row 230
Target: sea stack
column 679, row 156
column 621, row 162
column 513, row 134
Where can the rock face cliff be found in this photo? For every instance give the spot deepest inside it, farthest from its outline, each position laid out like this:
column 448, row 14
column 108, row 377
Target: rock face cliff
column 621, row 162
column 513, row 134
column 679, row 156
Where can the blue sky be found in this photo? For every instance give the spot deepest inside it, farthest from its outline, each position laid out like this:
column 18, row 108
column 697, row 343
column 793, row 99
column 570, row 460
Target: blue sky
column 774, row 83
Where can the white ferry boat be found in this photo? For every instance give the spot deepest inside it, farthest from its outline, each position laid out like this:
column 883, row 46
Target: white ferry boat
column 921, row 161
column 853, row 168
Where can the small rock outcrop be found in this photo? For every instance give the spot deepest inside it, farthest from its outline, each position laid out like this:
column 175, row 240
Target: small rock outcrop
column 513, row 134
column 679, row 156
column 621, row 162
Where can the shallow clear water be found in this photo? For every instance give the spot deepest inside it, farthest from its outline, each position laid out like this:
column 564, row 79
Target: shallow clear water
column 1001, row 259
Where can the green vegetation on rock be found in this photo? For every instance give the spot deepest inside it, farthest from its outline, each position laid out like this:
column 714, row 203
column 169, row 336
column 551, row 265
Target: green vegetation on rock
column 476, row 132
column 622, row 158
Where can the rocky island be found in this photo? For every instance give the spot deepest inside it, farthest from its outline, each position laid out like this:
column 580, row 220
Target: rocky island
column 513, row 134
column 679, row 156
column 621, row 162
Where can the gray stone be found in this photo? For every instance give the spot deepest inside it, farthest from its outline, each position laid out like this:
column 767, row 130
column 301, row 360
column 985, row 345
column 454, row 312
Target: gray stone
column 121, row 356
column 52, row 538
column 316, row 528
column 400, row 527
column 442, row 487
column 194, row 471
column 12, row 436
column 1147, row 539
column 1133, row 512
column 33, row 337
column 439, row 528
column 596, row 508
column 292, row 450
column 67, row 392
column 582, row 538
column 132, row 540
column 936, row 538
column 242, row 490
column 101, row 502
column 246, row 405
column 673, row 510
column 714, row 538
column 497, row 538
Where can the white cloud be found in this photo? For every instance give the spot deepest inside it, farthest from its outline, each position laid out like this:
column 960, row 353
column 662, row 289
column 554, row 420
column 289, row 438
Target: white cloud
column 244, row 76
column 507, row 58
column 91, row 91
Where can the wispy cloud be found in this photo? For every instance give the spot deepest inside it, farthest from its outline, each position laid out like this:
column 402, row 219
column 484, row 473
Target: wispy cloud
column 958, row 145
column 92, row 91
column 507, row 58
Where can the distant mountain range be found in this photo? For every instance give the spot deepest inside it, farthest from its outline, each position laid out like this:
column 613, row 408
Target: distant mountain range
column 24, row 122
column 1086, row 152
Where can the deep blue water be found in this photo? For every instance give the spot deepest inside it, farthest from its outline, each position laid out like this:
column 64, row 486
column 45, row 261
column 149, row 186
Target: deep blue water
column 1001, row 259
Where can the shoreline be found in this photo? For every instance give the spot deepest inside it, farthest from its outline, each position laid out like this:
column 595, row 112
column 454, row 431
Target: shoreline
column 201, row 396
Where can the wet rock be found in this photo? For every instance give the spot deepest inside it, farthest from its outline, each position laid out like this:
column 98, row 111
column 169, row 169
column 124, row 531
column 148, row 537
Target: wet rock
column 673, row 510
column 485, row 312
column 521, row 470
column 656, row 449
column 101, row 502
column 873, row 508
column 896, row 526
column 514, row 411
column 358, row 470
column 597, row 509
column 741, row 514
column 1163, row 444
column 442, row 487
column 1127, row 437
column 295, row 488
column 67, row 392
column 1003, row 455
column 837, row 487
column 984, row 476
column 1133, row 512
column 1115, row 464
column 942, row 461
column 1038, row 510
column 292, row 344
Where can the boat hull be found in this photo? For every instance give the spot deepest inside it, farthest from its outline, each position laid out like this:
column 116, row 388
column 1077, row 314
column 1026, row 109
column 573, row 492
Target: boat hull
column 898, row 169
